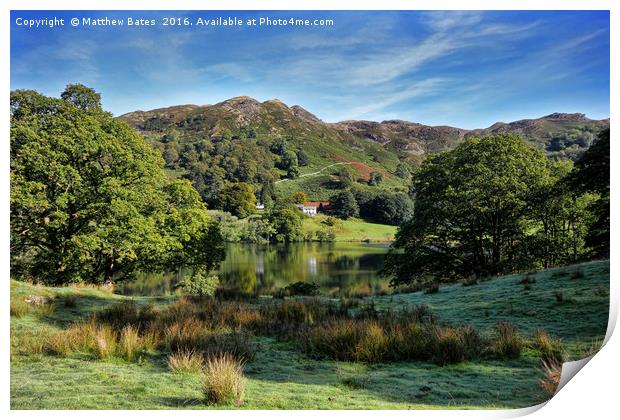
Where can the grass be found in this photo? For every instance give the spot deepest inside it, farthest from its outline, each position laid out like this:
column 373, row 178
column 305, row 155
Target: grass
column 281, row 375
column 223, row 381
column 352, row 230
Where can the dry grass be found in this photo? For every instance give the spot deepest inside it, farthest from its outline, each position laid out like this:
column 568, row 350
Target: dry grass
column 106, row 342
column 186, row 361
column 507, row 343
column 553, row 372
column 223, row 381
column 551, row 350
column 130, row 344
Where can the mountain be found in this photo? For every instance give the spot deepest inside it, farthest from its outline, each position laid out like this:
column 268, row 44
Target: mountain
column 243, row 140
column 562, row 135
column 252, row 141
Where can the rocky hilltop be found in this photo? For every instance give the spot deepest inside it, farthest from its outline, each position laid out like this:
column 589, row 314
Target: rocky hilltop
column 562, row 134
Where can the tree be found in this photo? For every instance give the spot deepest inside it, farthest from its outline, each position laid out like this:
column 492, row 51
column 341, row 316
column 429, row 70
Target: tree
column 286, row 221
column 171, row 154
column 299, row 197
column 345, row 177
column 391, row 209
column 302, row 158
column 375, row 179
column 402, row 171
column 562, row 218
column 290, row 164
column 592, row 174
column 238, row 199
column 344, row 205
column 471, row 213
column 90, row 200
column 82, row 97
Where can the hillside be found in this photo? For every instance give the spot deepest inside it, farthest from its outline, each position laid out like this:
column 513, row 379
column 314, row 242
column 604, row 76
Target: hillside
column 562, row 135
column 243, row 140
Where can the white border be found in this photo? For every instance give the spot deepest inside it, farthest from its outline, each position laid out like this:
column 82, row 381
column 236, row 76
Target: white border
column 591, row 395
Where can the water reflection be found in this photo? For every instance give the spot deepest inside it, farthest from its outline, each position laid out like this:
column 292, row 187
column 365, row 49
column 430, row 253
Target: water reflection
column 339, row 268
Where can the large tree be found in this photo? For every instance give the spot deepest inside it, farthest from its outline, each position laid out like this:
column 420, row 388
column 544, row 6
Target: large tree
column 90, row 200
column 344, row 205
column 238, row 199
column 592, row 175
column 469, row 215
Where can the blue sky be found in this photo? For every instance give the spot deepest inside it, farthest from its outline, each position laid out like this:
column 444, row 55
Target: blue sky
column 465, row 69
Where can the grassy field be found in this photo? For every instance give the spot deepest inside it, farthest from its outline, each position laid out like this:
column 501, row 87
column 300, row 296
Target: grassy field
column 352, row 230
column 282, row 377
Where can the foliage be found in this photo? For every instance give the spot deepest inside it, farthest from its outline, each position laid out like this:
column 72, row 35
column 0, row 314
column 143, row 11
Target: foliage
column 238, row 199
column 199, row 283
column 344, row 205
column 345, row 176
column 375, row 179
column 299, row 288
column 286, row 222
column 592, row 174
column 89, row 198
column 490, row 206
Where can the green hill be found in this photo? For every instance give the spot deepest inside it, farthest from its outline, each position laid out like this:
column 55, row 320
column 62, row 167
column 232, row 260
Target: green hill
column 262, row 143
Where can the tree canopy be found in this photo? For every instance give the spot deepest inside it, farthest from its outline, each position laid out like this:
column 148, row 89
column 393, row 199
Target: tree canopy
column 90, row 200
column 479, row 210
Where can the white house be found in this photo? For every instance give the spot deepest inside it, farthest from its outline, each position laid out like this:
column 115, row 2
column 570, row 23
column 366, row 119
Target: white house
column 309, row 210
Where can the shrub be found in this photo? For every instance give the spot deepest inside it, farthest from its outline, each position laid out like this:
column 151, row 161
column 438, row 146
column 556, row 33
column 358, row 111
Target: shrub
column 507, row 342
column 187, row 361
column 199, row 283
column 299, row 288
column 410, row 341
column 27, row 342
column 223, row 381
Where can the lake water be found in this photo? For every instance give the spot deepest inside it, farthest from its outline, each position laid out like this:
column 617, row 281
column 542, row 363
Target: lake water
column 338, row 268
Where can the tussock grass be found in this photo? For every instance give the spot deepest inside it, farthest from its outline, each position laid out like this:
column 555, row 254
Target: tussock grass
column 552, row 371
column 507, row 342
column 186, row 361
column 551, row 350
column 130, row 344
column 223, row 381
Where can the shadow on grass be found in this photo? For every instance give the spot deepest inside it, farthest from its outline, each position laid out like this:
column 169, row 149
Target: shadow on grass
column 492, row 383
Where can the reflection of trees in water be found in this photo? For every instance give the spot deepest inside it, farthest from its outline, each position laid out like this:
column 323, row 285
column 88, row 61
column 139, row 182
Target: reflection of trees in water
column 334, row 266
column 258, row 268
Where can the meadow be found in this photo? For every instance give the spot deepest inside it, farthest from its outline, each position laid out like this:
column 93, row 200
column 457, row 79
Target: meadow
column 477, row 346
